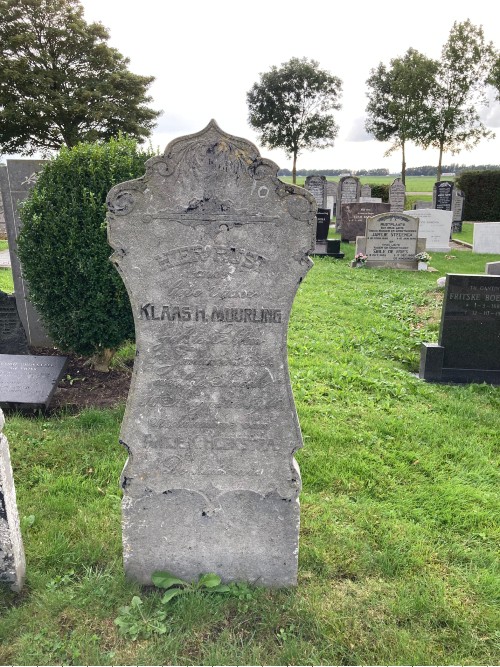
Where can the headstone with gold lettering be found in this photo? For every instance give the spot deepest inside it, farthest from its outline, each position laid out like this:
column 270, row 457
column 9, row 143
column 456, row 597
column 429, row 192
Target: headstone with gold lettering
column 212, row 247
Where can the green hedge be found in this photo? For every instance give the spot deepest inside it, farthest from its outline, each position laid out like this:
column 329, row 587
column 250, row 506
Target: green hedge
column 380, row 190
column 482, row 194
column 64, row 250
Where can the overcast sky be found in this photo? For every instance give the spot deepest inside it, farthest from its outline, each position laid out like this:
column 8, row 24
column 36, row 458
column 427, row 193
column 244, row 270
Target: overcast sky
column 206, row 55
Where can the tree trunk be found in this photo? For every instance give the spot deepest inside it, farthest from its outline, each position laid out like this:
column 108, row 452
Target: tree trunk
column 403, row 164
column 440, row 163
column 100, row 360
column 294, row 169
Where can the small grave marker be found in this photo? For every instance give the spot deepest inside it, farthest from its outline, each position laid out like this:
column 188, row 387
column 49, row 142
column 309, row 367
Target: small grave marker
column 28, row 381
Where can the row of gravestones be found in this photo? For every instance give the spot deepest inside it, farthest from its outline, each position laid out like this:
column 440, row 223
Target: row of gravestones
column 211, row 483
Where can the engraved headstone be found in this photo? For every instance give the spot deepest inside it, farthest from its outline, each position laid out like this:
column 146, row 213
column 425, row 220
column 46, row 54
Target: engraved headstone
column 212, row 247
column 370, row 200
column 442, row 195
column 391, row 240
column 29, row 381
column 354, row 217
column 366, row 190
column 435, row 227
column 458, row 209
column 486, row 237
column 420, row 203
column 348, row 192
column 469, row 337
column 316, row 185
column 12, row 562
column 17, row 178
column 12, row 335
column 397, row 194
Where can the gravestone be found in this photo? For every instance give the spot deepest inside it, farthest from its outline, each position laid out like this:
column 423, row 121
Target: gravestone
column 391, row 240
column 348, row 192
column 442, row 195
column 28, row 382
column 12, row 335
column 492, row 268
column 366, row 190
column 12, row 562
column 420, row 203
column 355, row 217
column 331, row 196
column 212, row 247
column 458, row 209
column 316, row 186
column 324, row 246
column 3, row 228
column 469, row 337
column 435, row 227
column 486, row 237
column 397, row 194
column 17, row 178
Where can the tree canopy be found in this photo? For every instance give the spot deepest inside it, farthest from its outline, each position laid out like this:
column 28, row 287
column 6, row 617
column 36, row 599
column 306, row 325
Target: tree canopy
column 454, row 123
column 60, row 83
column 399, row 98
column 290, row 107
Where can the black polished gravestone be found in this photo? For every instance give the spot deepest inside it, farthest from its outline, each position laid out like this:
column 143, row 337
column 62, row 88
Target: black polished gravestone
column 469, row 337
column 28, row 382
column 323, row 246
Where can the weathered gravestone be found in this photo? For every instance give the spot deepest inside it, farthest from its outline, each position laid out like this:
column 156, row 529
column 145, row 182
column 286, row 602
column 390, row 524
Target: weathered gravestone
column 458, row 209
column 391, row 240
column 212, row 247
column 492, row 268
column 397, row 194
column 354, row 217
column 442, row 195
column 366, row 190
column 3, row 229
column 331, row 196
column 469, row 337
column 370, row 200
column 17, row 178
column 348, row 192
column 28, row 382
column 12, row 563
column 316, row 185
column 435, row 227
column 12, row 335
column 486, row 237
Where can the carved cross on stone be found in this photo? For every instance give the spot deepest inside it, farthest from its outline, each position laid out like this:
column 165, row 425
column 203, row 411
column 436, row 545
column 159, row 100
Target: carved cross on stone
column 212, row 247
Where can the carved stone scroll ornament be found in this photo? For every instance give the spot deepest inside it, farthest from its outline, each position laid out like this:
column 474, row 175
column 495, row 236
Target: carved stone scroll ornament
column 212, row 248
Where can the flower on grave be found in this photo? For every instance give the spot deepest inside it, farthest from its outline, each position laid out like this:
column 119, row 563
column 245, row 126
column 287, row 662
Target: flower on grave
column 360, row 257
column 423, row 257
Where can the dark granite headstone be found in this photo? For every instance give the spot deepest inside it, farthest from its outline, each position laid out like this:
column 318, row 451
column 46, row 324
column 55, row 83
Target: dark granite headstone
column 469, row 338
column 17, row 178
column 442, row 195
column 354, row 217
column 12, row 336
column 27, row 381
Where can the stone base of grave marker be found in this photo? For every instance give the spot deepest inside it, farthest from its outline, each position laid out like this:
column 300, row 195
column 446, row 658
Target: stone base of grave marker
column 328, row 248
column 212, row 247
column 492, row 268
column 12, row 563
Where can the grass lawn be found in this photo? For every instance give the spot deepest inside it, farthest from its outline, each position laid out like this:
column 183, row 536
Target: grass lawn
column 398, row 558
column 3, row 245
column 466, row 234
column 6, row 282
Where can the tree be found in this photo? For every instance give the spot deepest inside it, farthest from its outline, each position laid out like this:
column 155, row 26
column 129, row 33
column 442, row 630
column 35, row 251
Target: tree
column 494, row 77
column 290, row 107
column 398, row 100
column 60, row 83
column 466, row 61
column 65, row 253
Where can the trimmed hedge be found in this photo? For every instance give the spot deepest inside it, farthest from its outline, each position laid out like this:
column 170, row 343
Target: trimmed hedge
column 482, row 195
column 380, row 190
column 64, row 250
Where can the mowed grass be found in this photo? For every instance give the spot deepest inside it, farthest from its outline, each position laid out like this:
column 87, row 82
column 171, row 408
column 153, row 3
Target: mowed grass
column 413, row 183
column 466, row 234
column 6, row 281
column 398, row 559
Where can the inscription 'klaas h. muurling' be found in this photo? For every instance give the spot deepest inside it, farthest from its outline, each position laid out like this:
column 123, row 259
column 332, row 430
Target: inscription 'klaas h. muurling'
column 212, row 247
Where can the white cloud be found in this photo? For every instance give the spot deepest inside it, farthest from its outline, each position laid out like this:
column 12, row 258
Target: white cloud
column 357, row 131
